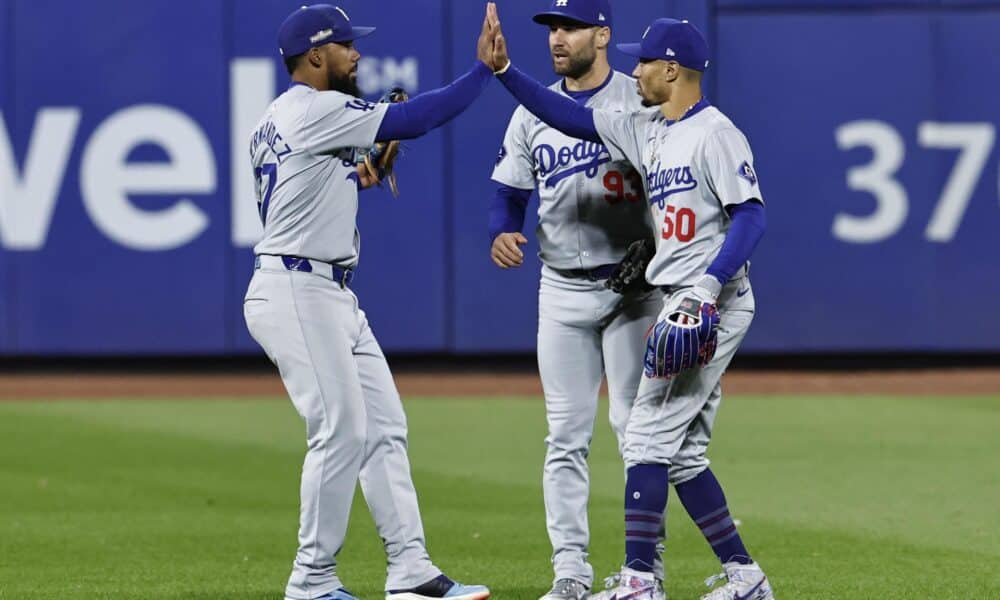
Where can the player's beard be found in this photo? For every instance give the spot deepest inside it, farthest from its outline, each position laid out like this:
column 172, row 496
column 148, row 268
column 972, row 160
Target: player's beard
column 578, row 65
column 345, row 83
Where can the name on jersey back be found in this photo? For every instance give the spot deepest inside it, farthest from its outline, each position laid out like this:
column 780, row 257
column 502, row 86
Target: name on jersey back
column 268, row 134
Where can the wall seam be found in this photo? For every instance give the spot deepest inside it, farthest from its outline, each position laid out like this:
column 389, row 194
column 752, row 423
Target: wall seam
column 448, row 190
column 229, row 254
column 10, row 283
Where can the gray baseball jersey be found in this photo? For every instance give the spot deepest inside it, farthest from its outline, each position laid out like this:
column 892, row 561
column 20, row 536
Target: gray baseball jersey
column 590, row 209
column 307, row 185
column 313, row 329
column 692, row 169
column 590, row 204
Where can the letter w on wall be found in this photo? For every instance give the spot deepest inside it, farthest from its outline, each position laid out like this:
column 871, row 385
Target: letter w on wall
column 28, row 198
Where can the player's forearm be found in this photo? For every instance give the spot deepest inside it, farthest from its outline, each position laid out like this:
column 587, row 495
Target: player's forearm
column 749, row 223
column 558, row 111
column 427, row 111
column 507, row 210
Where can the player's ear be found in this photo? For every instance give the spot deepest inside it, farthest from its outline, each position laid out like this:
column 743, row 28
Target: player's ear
column 315, row 57
column 671, row 71
column 603, row 38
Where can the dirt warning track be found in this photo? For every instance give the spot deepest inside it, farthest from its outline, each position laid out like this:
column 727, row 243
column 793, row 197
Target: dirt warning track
column 31, row 386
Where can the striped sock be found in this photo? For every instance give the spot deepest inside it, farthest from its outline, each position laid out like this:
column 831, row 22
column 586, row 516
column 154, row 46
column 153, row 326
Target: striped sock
column 645, row 501
column 704, row 500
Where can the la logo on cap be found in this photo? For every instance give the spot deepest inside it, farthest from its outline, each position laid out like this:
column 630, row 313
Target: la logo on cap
column 562, row 2
column 670, row 52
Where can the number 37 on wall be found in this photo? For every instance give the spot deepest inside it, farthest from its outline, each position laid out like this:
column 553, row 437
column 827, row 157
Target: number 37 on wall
column 974, row 142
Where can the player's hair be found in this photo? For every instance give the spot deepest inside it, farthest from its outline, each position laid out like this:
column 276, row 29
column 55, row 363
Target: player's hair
column 292, row 62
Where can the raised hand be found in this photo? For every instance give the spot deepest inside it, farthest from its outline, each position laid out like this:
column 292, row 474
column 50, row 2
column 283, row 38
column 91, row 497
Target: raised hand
column 484, row 47
column 500, row 59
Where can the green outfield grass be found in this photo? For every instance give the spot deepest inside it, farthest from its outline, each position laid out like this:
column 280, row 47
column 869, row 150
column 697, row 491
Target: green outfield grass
column 868, row 497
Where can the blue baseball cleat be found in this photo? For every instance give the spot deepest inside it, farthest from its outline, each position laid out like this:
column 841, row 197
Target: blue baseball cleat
column 441, row 587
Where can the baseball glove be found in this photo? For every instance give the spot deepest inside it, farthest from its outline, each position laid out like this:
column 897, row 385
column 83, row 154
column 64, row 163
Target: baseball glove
column 380, row 159
column 685, row 339
column 630, row 274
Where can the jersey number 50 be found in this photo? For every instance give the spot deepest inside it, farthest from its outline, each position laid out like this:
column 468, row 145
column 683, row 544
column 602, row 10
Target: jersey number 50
column 680, row 223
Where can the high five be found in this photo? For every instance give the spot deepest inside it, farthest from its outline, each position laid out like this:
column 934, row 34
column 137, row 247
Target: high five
column 708, row 213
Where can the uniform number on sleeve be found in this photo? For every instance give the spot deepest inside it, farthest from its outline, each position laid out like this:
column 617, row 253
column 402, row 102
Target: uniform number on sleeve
column 622, row 187
column 678, row 223
column 269, row 170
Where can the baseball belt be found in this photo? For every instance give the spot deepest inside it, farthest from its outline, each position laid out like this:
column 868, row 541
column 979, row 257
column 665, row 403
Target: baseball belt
column 594, row 274
column 334, row 273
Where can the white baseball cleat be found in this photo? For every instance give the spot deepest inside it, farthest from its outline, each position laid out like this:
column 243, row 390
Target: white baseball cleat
column 743, row 582
column 441, row 587
column 631, row 585
column 339, row 594
column 567, row 589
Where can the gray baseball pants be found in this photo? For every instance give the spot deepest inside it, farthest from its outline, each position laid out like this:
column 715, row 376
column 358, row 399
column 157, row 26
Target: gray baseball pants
column 671, row 421
column 585, row 331
column 339, row 381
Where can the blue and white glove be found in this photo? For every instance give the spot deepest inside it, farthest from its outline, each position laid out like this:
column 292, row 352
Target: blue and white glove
column 688, row 336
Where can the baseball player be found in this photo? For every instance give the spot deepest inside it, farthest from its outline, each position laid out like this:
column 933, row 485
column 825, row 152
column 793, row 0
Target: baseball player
column 591, row 209
column 705, row 199
column 300, row 308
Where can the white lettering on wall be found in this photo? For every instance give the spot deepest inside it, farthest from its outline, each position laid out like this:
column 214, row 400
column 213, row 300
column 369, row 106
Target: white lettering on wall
column 974, row 141
column 107, row 179
column 108, row 182
column 28, row 199
column 252, row 82
column 379, row 74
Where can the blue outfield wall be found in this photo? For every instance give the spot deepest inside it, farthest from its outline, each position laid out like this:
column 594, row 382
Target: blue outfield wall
column 6, row 82
column 126, row 217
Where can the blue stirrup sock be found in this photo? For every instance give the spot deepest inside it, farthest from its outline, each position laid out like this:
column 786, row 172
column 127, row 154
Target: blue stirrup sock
column 705, row 502
column 645, row 500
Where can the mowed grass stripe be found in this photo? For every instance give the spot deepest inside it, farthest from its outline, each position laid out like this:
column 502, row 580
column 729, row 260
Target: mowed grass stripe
column 839, row 497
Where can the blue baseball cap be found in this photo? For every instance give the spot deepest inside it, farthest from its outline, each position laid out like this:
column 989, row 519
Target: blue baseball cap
column 588, row 12
column 315, row 25
column 670, row 39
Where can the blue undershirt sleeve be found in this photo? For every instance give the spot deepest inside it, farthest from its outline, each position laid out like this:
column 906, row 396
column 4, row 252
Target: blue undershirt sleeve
column 424, row 112
column 558, row 111
column 507, row 210
column 749, row 222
